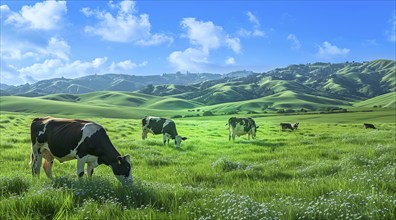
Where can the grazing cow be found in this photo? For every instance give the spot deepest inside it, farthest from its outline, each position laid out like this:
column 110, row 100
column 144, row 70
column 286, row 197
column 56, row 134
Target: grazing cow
column 290, row 126
column 367, row 125
column 164, row 126
column 68, row 139
column 241, row 126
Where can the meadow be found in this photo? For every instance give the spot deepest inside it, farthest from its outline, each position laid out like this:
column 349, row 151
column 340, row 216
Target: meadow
column 330, row 168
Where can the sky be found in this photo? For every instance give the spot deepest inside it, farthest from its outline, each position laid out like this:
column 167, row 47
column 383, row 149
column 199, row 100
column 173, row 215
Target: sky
column 49, row 39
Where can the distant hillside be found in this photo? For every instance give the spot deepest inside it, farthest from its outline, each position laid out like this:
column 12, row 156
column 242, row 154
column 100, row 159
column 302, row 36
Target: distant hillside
column 110, row 82
column 310, row 86
column 343, row 81
column 386, row 100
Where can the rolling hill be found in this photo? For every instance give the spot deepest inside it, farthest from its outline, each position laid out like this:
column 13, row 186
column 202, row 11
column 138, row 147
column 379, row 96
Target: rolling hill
column 387, row 100
column 314, row 86
column 343, row 81
column 110, row 82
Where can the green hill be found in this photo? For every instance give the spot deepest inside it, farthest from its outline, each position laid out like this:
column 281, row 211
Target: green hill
column 282, row 100
column 386, row 100
column 86, row 109
column 342, row 81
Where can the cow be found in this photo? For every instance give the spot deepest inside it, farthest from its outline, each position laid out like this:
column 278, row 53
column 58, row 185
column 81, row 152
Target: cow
column 241, row 126
column 367, row 125
column 164, row 126
column 68, row 139
column 284, row 126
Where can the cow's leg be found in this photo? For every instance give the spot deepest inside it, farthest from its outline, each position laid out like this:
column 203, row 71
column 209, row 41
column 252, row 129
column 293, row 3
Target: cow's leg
column 229, row 135
column 48, row 162
column 233, row 136
column 249, row 136
column 90, row 169
column 48, row 168
column 164, row 138
column 80, row 167
column 144, row 134
column 36, row 159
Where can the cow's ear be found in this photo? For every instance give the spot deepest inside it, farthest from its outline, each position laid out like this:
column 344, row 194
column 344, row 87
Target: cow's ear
column 257, row 127
column 184, row 138
column 127, row 158
column 119, row 160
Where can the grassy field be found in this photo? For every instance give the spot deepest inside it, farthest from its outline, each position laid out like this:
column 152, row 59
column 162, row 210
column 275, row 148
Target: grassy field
column 331, row 168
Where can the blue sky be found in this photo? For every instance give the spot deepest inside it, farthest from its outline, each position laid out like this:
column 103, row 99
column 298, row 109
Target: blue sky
column 47, row 39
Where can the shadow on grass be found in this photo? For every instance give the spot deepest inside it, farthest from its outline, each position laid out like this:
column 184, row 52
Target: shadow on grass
column 265, row 143
column 135, row 196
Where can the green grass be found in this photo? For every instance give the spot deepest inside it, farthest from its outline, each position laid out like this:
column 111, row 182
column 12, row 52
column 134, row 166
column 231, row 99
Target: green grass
column 330, row 168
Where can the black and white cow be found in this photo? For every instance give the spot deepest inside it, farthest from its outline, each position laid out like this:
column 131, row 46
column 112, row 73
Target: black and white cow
column 241, row 126
column 367, row 125
column 284, row 126
column 68, row 139
column 164, row 126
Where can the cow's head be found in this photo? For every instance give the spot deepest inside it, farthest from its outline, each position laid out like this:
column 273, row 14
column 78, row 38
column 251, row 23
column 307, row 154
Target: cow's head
column 295, row 126
column 254, row 131
column 178, row 140
column 122, row 169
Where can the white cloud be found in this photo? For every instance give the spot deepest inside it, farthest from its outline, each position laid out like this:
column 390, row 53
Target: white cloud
column 155, row 39
column 327, row 50
column 256, row 32
column 204, row 36
column 19, row 50
column 294, row 41
column 52, row 68
column 126, row 65
column 392, row 32
column 87, row 12
column 253, row 19
column 45, row 15
column 124, row 26
column 189, row 60
column 58, row 48
column 4, row 9
column 230, row 61
column 234, row 43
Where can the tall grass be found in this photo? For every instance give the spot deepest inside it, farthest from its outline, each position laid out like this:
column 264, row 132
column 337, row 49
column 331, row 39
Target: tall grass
column 324, row 170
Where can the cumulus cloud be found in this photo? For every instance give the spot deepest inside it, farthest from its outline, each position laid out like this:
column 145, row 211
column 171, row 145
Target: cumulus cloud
column 204, row 36
column 125, row 25
column 327, row 50
column 4, row 8
column 45, row 15
column 4, row 11
column 294, row 41
column 20, row 50
column 188, row 60
column 58, row 48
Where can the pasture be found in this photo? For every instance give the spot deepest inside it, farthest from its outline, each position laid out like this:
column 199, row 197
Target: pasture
column 330, row 168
